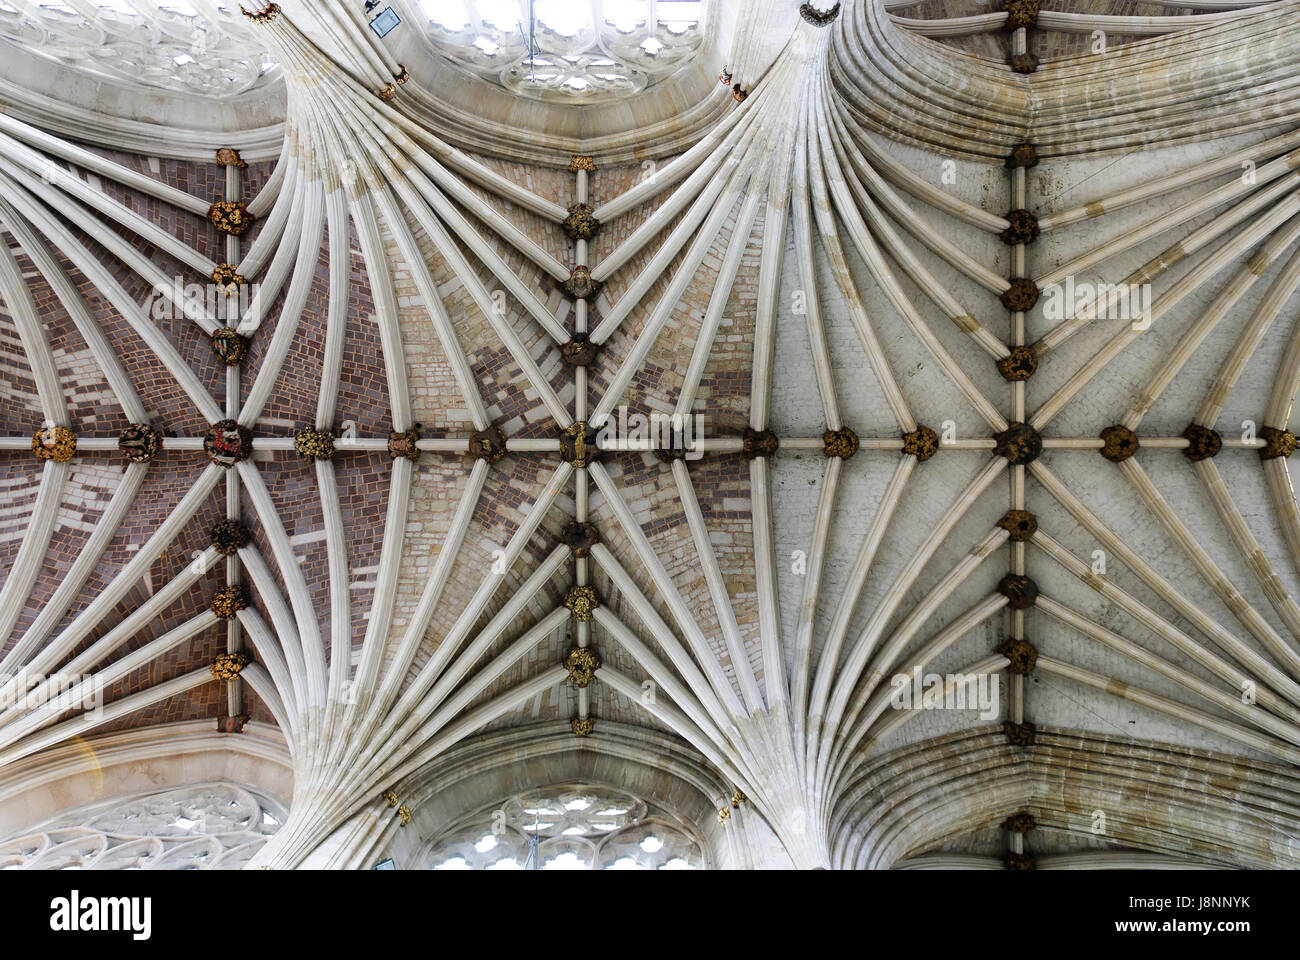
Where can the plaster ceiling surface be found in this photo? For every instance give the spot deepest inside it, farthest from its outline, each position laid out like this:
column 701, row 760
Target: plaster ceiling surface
column 365, row 358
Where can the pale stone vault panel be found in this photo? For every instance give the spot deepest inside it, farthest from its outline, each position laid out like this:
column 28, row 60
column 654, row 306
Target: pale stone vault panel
column 333, row 444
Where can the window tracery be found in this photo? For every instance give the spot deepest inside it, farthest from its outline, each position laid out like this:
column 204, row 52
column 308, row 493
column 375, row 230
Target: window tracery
column 579, row 52
column 214, row 826
column 578, row 828
column 167, row 44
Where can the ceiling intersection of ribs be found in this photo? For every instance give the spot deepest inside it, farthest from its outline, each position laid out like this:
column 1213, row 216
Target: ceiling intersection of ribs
column 433, row 484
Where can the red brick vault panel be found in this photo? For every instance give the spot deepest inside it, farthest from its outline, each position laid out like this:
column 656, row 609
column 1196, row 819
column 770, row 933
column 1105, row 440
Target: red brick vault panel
column 363, row 383
column 164, row 400
column 94, row 413
column 85, row 496
column 206, row 181
column 19, row 485
column 295, row 492
column 92, row 406
column 168, row 479
column 292, row 404
column 363, row 480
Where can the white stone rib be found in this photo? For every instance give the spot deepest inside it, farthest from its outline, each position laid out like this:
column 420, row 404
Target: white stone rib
column 667, row 303
column 418, row 625
column 1273, row 181
column 869, row 180
column 1279, row 292
column 806, row 620
column 887, row 657
column 406, row 713
column 285, row 629
column 1250, row 618
column 1066, row 22
column 74, row 578
column 1185, row 286
column 769, row 625
column 89, row 160
column 701, row 196
column 113, row 711
column 1192, row 337
column 821, row 157
column 336, row 555
column 681, row 693
column 1259, row 668
column 94, row 271
column 1171, row 708
column 73, row 302
column 267, row 196
column 386, row 312
column 164, row 286
column 472, row 720
column 440, row 705
column 20, row 157
column 256, row 676
column 803, row 242
column 836, row 631
column 837, row 721
column 879, row 363
column 859, row 741
column 1160, row 186
column 668, row 592
column 90, row 688
column 1233, row 703
column 991, row 664
column 26, row 652
column 679, row 722
column 740, row 663
column 291, row 574
column 283, row 260
column 22, row 574
column 737, row 243
column 695, row 679
column 283, row 209
column 336, row 308
column 21, row 307
column 461, row 267
column 270, row 657
column 286, row 325
column 700, row 162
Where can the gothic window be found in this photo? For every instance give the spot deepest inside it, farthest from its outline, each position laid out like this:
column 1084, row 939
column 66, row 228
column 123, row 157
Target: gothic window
column 162, row 43
column 576, row 828
column 214, row 826
column 576, row 56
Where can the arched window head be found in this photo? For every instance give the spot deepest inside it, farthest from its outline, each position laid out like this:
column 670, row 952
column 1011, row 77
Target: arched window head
column 167, row 44
column 559, row 50
column 212, row 826
column 567, row 828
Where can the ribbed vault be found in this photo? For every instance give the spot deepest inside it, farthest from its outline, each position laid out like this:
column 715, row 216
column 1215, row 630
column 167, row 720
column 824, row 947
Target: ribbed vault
column 375, row 481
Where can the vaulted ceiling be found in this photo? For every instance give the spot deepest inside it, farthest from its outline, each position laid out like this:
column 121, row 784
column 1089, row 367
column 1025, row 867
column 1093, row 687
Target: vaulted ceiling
column 321, row 382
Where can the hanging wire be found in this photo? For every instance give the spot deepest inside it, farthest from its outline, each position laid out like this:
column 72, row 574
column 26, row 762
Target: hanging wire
column 530, row 42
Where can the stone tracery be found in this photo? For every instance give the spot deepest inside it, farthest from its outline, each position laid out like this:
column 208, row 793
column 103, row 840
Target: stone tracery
column 577, row 58
column 578, row 828
column 171, row 46
column 204, row 827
